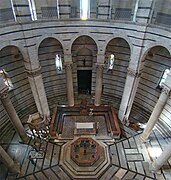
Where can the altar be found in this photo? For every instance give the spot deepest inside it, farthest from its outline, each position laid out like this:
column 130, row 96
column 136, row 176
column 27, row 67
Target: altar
column 85, row 128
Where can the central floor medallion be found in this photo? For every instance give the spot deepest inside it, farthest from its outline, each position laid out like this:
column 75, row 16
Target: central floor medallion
column 85, row 151
column 85, row 158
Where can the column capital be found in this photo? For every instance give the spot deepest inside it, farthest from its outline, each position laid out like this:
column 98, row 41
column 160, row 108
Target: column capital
column 3, row 89
column 132, row 72
column 100, row 66
column 165, row 89
column 4, row 93
column 33, row 72
column 68, row 65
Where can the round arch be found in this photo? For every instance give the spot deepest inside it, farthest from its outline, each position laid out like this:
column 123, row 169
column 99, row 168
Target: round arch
column 152, row 45
column 83, row 35
column 19, row 46
column 46, row 36
column 156, row 58
column 121, row 36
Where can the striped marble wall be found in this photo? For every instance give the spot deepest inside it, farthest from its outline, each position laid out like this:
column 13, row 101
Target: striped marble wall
column 101, row 32
column 156, row 61
column 11, row 60
column 55, row 83
column 84, row 47
column 164, row 122
column 114, row 80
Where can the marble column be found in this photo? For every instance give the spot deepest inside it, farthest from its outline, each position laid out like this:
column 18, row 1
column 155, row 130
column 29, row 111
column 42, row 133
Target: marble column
column 69, row 80
column 9, row 163
column 162, row 159
column 11, row 111
column 99, row 82
column 130, row 89
column 156, row 113
column 38, row 90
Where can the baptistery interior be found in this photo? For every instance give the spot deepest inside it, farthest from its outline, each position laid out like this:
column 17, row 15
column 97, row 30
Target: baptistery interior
column 98, row 69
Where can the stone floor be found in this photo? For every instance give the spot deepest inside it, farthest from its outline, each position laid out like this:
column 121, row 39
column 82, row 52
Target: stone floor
column 130, row 158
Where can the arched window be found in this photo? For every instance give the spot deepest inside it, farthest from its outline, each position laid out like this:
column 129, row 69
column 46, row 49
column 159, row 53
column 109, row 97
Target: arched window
column 6, row 79
column 163, row 77
column 58, row 62
column 111, row 62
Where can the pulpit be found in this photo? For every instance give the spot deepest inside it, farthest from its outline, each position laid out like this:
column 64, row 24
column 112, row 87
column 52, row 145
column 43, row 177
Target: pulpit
column 38, row 124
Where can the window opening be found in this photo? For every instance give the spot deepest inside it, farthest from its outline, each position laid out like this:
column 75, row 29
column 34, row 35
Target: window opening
column 32, row 10
column 163, row 78
column 111, row 62
column 57, row 6
column 85, row 9
column 58, row 61
column 6, row 79
column 13, row 10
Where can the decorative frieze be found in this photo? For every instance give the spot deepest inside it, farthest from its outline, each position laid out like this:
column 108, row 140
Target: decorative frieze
column 34, row 72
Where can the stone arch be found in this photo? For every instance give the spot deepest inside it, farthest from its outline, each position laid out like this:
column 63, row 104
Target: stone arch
column 54, row 81
column 114, row 79
column 121, row 36
column 12, row 61
column 49, row 47
column 46, row 36
column 86, row 43
column 19, row 46
column 86, row 46
column 155, row 59
column 154, row 44
column 76, row 38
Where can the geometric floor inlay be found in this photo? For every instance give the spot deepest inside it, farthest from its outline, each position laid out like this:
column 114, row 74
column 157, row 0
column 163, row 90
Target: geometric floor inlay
column 89, row 169
column 128, row 156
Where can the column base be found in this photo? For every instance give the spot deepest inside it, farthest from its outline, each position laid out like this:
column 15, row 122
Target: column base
column 125, row 121
column 26, row 139
column 121, row 116
column 143, row 140
column 15, row 168
column 153, row 169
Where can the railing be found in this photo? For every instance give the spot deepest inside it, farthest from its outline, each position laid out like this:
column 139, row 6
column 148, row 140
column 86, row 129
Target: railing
column 122, row 14
column 49, row 12
column 162, row 19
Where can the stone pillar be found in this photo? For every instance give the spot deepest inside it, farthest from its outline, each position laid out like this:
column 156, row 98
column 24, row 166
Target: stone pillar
column 156, row 113
column 99, row 82
column 64, row 9
column 11, row 112
column 162, row 159
column 9, row 163
column 130, row 89
column 143, row 11
column 37, row 87
column 104, row 9
column 69, row 80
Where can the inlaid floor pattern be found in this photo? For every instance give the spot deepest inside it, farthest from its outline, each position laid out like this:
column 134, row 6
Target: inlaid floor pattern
column 130, row 158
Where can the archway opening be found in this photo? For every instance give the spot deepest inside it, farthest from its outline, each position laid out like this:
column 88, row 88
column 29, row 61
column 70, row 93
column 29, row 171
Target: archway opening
column 84, row 51
column 117, row 57
column 51, row 59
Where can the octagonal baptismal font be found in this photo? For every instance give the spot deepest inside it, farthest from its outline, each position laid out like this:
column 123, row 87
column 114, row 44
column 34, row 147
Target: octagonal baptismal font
column 85, row 151
column 85, row 158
